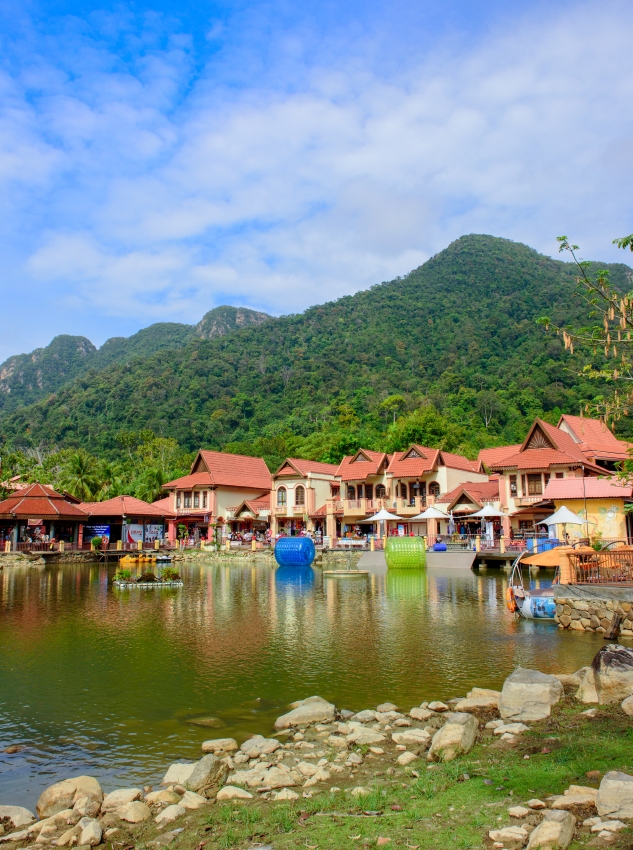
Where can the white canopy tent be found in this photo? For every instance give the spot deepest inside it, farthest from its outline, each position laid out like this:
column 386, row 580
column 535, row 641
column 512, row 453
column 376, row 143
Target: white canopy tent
column 430, row 513
column 488, row 513
column 563, row 516
column 382, row 517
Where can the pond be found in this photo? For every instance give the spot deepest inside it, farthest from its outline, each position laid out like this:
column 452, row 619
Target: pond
column 106, row 682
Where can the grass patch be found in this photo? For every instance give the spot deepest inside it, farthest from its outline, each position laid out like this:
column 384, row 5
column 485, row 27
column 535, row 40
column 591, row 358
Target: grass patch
column 452, row 805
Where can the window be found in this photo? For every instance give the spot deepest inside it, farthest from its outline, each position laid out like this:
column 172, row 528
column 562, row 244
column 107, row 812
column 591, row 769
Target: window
column 351, row 492
column 188, row 500
column 560, row 474
column 380, row 491
column 546, row 476
column 403, row 490
column 369, row 491
column 535, row 485
column 177, row 500
column 196, row 499
column 300, row 496
column 360, row 491
column 414, row 490
column 281, row 497
column 513, row 486
column 204, row 499
column 434, row 488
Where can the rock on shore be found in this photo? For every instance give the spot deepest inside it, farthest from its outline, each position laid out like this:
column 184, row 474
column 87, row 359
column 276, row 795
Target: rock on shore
column 529, row 695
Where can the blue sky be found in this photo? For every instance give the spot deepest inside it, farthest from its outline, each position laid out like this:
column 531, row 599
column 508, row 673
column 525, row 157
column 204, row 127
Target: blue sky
column 159, row 159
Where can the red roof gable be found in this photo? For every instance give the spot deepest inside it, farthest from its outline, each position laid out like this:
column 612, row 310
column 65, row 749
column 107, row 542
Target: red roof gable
column 590, row 488
column 418, row 460
column 125, row 506
column 594, row 438
column 295, row 465
column 492, row 456
column 361, row 465
column 545, row 446
column 477, row 491
column 221, row 469
column 42, row 502
column 261, row 503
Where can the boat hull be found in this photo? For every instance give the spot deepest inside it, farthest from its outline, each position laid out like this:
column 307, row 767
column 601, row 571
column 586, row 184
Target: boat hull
column 460, row 559
column 533, row 607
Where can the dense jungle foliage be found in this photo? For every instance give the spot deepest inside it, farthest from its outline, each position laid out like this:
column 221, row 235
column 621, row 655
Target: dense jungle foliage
column 450, row 356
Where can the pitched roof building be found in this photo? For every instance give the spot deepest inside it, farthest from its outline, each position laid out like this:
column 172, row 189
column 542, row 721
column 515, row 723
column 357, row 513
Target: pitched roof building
column 595, row 440
column 39, row 510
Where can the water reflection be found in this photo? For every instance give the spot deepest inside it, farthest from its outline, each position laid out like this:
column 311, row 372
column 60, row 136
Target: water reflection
column 104, row 682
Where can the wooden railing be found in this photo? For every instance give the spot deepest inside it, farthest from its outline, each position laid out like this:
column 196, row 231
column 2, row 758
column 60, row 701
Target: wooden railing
column 605, row 567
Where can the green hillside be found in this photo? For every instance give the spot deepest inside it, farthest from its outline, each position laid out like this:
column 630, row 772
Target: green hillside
column 27, row 378
column 452, row 352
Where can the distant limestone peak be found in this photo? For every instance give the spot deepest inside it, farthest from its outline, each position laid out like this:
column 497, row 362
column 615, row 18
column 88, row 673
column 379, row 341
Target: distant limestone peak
column 223, row 320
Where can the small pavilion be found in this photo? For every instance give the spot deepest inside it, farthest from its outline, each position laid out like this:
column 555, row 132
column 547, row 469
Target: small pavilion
column 38, row 512
column 128, row 519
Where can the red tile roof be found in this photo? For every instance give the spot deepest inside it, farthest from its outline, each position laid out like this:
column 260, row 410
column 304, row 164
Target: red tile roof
column 221, row 469
column 352, row 469
column 590, row 488
column 163, row 504
column 299, row 465
column 492, row 456
column 552, row 447
column 477, row 491
column 125, row 506
column 261, row 503
column 402, row 466
column 595, row 438
column 39, row 501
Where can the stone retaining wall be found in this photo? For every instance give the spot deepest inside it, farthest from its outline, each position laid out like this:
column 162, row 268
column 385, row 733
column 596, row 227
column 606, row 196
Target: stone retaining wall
column 594, row 615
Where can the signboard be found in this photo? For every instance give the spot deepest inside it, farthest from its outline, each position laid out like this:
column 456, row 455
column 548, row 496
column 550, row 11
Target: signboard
column 132, row 533
column 91, row 531
column 154, row 532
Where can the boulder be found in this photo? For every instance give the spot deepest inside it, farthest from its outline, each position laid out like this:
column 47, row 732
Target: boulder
column 438, row 706
column 386, row 706
column 337, row 741
column 555, row 831
column 279, row 777
column 366, row 716
column 321, row 775
column 420, row 714
column 529, row 695
column 91, row 832
column 69, row 837
column 178, row 773
column 116, row 799
column 57, row 820
column 477, row 704
column 587, row 689
column 134, row 812
column 613, row 672
column 509, row 729
column 219, row 745
column 16, row 815
column 615, row 795
column 509, row 835
column 64, row 795
column 258, row 745
column 87, row 807
column 518, row 812
column 608, row 826
column 406, row 758
column 170, row 814
column 232, row 792
column 571, row 679
column 207, row 774
column 286, row 794
column 306, row 712
column 627, row 706
column 483, row 692
column 455, row 738
column 412, row 738
column 191, row 800
column 365, row 737
column 163, row 796
column 15, row 836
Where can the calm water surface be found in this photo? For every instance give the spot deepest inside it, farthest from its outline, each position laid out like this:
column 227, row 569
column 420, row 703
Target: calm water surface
column 99, row 681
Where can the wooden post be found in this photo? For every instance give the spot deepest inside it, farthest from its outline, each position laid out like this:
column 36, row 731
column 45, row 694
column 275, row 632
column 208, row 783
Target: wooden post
column 7, row 545
column 61, row 545
column 139, row 545
column 565, row 570
column 253, row 545
column 384, row 542
column 119, row 545
column 372, row 545
column 157, row 543
column 227, row 545
column 502, row 545
column 478, row 544
column 614, row 629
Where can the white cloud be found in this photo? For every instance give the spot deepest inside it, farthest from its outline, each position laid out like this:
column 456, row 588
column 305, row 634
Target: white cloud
column 147, row 201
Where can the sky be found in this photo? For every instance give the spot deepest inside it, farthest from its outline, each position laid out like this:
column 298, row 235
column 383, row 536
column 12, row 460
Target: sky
column 158, row 159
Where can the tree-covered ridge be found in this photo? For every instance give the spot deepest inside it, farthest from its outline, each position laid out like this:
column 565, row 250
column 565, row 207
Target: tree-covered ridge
column 26, row 378
column 452, row 352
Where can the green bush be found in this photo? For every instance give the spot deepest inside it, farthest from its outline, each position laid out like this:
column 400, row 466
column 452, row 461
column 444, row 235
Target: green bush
column 122, row 575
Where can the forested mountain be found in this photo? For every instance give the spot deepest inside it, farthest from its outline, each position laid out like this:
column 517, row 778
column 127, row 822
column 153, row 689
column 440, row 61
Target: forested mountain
column 450, row 354
column 26, row 378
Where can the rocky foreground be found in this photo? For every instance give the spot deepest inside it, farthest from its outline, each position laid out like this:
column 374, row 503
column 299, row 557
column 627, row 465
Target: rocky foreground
column 320, row 752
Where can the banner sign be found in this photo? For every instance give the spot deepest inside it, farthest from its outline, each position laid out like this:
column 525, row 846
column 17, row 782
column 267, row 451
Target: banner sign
column 91, row 531
column 132, row 533
column 154, row 532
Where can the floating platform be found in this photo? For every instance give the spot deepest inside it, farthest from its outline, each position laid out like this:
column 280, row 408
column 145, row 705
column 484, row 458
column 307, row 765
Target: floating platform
column 346, row 573
column 461, row 559
column 125, row 585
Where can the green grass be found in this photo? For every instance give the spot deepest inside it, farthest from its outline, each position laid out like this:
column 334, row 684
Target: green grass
column 449, row 806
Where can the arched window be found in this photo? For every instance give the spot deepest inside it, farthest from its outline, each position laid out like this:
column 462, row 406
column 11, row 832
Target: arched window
column 403, row 490
column 380, row 491
column 300, row 496
column 281, row 497
column 351, row 492
column 434, row 489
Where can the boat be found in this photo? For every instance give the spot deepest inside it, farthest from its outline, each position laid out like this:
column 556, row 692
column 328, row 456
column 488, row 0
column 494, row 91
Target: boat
column 532, row 603
column 458, row 558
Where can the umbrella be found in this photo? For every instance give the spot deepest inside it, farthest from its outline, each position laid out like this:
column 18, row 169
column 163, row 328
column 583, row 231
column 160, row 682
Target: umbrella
column 451, row 524
column 381, row 517
column 430, row 513
column 564, row 516
column 487, row 512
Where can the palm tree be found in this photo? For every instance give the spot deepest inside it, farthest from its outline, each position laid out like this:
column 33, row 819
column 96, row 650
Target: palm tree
column 80, row 475
column 149, row 485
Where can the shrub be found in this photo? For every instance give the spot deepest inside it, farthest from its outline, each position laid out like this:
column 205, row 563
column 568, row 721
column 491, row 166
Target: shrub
column 170, row 574
column 146, row 577
column 122, row 575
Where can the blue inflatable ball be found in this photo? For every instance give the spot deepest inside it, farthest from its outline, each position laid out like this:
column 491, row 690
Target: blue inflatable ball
column 439, row 547
column 294, row 551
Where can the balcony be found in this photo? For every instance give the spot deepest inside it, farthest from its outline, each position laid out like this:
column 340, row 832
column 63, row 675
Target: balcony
column 526, row 501
column 289, row 510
